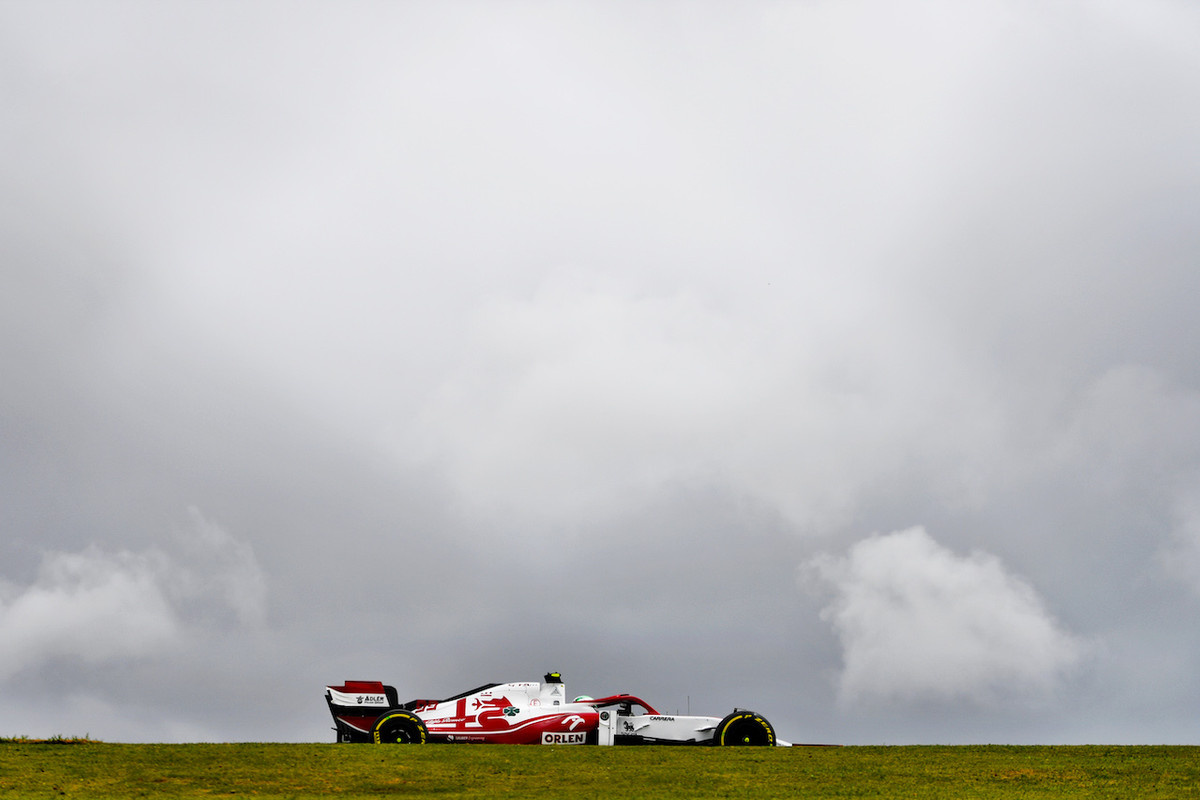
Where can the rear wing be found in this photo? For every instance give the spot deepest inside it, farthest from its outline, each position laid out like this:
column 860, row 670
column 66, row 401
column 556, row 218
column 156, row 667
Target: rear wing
column 363, row 694
column 355, row 705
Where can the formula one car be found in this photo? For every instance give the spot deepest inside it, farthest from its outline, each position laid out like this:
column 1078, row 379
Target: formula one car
column 528, row 713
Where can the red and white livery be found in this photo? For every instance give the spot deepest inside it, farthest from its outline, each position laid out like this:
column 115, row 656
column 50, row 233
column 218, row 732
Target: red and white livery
column 528, row 713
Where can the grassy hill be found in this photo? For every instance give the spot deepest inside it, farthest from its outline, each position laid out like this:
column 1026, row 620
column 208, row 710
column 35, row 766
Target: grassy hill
column 94, row 770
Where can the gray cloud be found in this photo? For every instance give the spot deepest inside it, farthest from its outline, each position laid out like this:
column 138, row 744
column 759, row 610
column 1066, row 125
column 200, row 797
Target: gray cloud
column 504, row 338
column 1180, row 555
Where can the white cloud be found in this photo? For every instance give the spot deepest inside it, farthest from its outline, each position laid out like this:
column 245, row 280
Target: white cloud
column 100, row 607
column 919, row 623
column 90, row 605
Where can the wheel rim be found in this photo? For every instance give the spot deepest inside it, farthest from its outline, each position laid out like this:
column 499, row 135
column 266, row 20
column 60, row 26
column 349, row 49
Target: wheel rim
column 399, row 730
column 400, row 734
column 747, row 733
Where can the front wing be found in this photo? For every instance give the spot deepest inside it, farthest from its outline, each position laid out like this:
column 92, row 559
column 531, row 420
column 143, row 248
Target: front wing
column 655, row 729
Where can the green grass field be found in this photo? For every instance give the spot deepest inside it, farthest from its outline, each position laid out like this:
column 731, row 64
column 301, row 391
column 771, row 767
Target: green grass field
column 94, row 770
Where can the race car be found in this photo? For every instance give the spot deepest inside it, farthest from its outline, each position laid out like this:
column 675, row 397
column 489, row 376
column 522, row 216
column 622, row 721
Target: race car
column 529, row 713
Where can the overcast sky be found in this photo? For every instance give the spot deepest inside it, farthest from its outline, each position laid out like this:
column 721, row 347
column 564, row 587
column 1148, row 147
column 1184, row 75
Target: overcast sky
column 832, row 359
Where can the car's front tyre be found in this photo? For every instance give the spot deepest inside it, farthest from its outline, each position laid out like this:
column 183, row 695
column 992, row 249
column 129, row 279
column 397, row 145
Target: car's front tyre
column 399, row 726
column 744, row 729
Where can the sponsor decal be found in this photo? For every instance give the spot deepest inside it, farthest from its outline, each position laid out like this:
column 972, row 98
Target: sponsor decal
column 359, row 699
column 662, row 719
column 563, row 738
column 456, row 721
column 500, row 702
column 511, row 711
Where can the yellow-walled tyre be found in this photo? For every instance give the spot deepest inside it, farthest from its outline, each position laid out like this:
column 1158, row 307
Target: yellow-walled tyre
column 399, row 726
column 744, row 729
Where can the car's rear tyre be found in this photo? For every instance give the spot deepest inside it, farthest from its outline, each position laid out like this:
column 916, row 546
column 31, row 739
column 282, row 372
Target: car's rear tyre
column 744, row 729
column 399, row 726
